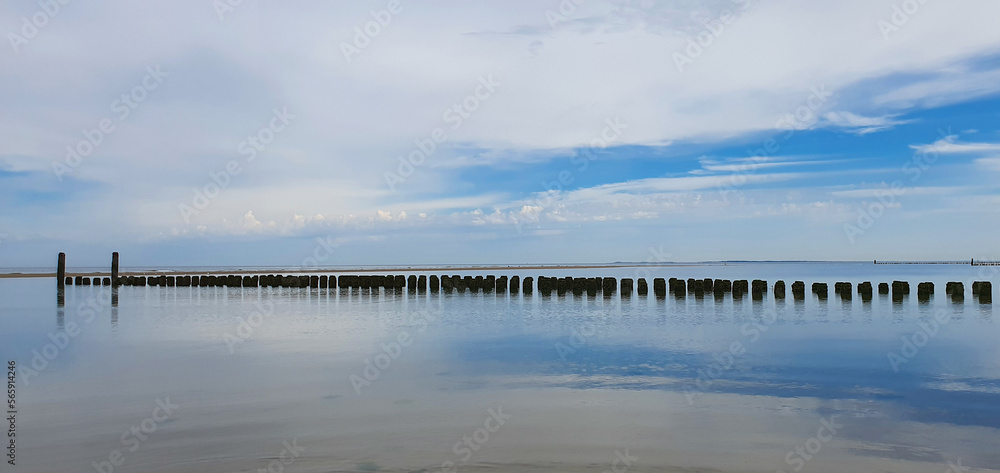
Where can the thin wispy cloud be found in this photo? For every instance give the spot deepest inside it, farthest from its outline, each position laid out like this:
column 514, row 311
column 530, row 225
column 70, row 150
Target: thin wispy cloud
column 951, row 145
column 863, row 125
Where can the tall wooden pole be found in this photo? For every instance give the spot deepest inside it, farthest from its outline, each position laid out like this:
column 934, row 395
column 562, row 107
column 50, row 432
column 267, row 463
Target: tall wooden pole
column 61, row 270
column 114, row 269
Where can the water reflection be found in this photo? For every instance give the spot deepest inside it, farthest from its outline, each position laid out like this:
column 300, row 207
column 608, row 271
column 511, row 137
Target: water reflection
column 632, row 362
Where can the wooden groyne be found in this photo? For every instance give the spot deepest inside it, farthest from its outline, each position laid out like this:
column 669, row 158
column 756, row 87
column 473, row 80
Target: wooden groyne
column 607, row 287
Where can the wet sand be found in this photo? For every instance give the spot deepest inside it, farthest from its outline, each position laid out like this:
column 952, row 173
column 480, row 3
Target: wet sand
column 568, row 430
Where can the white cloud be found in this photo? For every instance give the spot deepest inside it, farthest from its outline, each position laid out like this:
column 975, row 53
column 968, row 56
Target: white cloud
column 354, row 120
column 747, row 165
column 950, row 145
column 885, row 191
column 992, row 164
column 250, row 222
column 952, row 86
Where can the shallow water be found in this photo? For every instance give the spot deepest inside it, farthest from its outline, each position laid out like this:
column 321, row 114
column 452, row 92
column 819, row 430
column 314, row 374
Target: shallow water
column 579, row 384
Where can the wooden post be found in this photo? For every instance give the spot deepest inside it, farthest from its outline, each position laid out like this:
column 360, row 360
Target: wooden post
column 677, row 287
column 411, row 283
column 924, row 291
column 435, row 283
column 866, row 290
column 608, row 286
column 799, row 290
column 447, row 284
column 578, row 286
column 61, row 270
column 626, row 288
column 466, row 282
column 983, row 290
column 562, row 285
column 846, row 290
column 659, row 287
column 114, row 269
column 477, row 283
column 489, row 284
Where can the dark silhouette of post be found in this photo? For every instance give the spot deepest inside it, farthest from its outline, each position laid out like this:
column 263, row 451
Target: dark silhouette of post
column 61, row 270
column 114, row 269
column 61, row 284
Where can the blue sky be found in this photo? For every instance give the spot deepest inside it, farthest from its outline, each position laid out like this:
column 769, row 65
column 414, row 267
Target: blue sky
column 618, row 130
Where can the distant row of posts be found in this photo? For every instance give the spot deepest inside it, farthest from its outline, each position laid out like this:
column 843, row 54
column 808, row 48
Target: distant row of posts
column 982, row 290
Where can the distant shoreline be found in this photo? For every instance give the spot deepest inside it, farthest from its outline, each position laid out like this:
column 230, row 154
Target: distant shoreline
column 416, row 269
column 175, row 272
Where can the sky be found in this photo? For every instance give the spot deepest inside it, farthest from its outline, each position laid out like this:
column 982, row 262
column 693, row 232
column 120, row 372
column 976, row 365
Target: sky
column 402, row 132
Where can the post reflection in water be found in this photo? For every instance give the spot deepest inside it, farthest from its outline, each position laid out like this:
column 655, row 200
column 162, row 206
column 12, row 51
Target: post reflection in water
column 577, row 374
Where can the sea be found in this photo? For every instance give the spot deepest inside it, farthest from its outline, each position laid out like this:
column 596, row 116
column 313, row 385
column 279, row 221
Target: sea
column 212, row 379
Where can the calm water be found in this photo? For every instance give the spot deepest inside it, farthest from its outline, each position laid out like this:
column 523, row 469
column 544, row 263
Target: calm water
column 215, row 379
